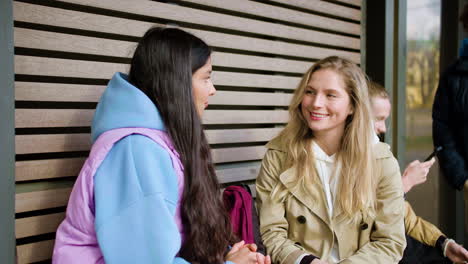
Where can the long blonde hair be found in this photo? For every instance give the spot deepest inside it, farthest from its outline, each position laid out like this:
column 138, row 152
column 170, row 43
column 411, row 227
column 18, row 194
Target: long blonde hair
column 357, row 187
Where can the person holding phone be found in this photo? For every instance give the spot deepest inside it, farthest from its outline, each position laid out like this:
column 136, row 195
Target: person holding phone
column 416, row 172
column 425, row 242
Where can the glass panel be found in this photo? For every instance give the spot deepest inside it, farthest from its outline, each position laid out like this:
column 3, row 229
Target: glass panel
column 423, row 42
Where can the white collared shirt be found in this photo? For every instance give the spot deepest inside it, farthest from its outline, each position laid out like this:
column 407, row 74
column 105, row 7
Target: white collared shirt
column 328, row 171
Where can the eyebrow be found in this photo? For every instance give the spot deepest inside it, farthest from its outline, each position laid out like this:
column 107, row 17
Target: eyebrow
column 326, row 90
column 332, row 90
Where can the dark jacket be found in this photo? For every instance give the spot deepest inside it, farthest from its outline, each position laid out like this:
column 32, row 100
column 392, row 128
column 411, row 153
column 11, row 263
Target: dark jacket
column 450, row 121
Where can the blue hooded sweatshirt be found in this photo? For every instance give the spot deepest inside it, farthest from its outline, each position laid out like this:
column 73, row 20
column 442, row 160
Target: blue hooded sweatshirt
column 135, row 188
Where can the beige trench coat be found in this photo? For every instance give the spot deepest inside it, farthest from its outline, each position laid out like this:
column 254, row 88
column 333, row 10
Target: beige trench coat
column 294, row 219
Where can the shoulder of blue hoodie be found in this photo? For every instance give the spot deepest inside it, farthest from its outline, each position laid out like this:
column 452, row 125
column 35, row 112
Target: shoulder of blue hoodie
column 136, row 198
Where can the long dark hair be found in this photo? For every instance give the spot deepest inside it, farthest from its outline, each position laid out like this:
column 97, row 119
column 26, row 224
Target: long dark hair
column 162, row 68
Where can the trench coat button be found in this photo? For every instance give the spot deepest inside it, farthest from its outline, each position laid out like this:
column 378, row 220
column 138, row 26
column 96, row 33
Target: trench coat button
column 301, row 219
column 364, row 226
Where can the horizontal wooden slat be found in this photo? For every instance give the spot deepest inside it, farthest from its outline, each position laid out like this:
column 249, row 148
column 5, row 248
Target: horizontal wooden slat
column 206, row 18
column 30, row 201
column 238, row 172
column 248, row 98
column 67, row 68
column 29, row 144
column 271, row 47
column 37, row 225
column 245, row 116
column 104, row 70
column 35, row 252
column 73, row 19
column 351, row 2
column 55, row 168
column 259, row 63
column 53, row 117
column 57, row 92
column 49, row 168
column 238, row 154
column 60, row 92
column 241, row 135
column 324, row 7
column 283, row 14
column 39, row 39
column 255, row 80
column 28, row 38
column 30, row 118
column 31, row 13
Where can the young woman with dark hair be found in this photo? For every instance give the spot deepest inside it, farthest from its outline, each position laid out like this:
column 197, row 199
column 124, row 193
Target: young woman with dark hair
column 148, row 192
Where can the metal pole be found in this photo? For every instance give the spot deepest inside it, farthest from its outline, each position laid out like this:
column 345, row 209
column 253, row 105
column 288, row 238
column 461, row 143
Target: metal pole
column 7, row 135
column 399, row 89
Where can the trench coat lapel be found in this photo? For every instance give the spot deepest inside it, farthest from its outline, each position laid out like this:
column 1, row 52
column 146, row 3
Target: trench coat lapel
column 311, row 196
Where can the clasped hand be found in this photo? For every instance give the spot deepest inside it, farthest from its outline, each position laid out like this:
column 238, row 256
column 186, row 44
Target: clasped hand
column 242, row 253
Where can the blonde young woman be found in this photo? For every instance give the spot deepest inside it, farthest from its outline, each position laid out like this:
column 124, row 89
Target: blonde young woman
column 328, row 191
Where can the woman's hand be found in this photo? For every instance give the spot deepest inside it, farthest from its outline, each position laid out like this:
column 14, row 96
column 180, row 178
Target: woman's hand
column 416, row 173
column 456, row 253
column 252, row 247
column 262, row 259
column 318, row 261
column 242, row 253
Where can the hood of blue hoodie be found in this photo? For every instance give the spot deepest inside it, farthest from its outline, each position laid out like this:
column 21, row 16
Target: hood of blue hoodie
column 124, row 105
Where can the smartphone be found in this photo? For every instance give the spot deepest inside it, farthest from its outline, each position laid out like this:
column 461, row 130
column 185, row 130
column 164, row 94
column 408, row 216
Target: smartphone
column 437, row 149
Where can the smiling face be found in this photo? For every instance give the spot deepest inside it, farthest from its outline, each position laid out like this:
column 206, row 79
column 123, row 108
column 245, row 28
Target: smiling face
column 326, row 103
column 202, row 87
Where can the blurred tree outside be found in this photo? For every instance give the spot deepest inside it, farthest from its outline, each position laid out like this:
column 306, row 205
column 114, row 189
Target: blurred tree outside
column 422, row 77
column 422, row 72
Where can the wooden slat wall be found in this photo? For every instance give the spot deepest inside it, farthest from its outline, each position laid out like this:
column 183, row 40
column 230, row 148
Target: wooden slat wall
column 67, row 50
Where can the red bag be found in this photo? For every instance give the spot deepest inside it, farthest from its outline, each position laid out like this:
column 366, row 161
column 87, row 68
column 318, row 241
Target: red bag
column 244, row 220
